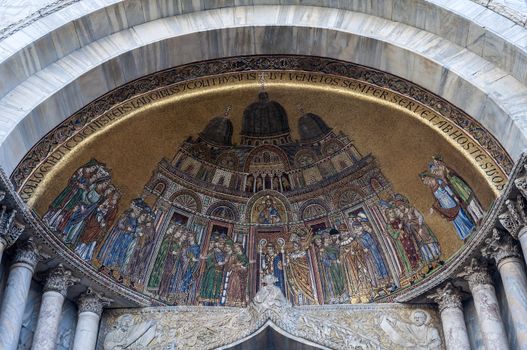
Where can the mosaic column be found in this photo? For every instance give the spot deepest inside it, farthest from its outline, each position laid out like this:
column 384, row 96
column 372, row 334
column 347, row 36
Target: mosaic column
column 55, row 289
column 448, row 299
column 486, row 303
column 15, row 295
column 10, row 230
column 504, row 251
column 90, row 306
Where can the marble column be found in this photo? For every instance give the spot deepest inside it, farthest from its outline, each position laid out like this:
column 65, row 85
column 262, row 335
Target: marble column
column 486, row 303
column 90, row 306
column 57, row 283
column 448, row 299
column 505, row 252
column 15, row 295
column 10, row 229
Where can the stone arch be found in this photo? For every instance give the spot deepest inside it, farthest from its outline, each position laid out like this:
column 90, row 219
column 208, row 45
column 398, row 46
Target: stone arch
column 320, row 204
column 490, row 102
column 224, row 204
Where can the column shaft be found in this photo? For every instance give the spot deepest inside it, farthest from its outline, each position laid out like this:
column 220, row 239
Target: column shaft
column 515, row 285
column 522, row 237
column 45, row 337
column 454, row 329
column 86, row 332
column 13, row 305
column 487, row 308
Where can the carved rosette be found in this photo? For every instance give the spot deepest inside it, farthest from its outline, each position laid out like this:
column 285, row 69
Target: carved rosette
column 476, row 273
column 27, row 253
column 59, row 280
column 500, row 246
column 515, row 218
column 10, row 229
column 447, row 297
column 91, row 301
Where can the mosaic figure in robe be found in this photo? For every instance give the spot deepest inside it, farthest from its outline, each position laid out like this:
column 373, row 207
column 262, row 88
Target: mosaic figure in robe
column 172, row 234
column 215, row 260
column 187, row 286
column 358, row 271
column 272, row 264
column 447, row 205
column 116, row 249
column 143, row 246
column 465, row 195
column 297, row 267
column 405, row 242
column 364, row 233
column 64, row 203
column 96, row 226
column 269, row 214
column 237, row 274
column 414, row 223
column 331, row 268
column 173, row 262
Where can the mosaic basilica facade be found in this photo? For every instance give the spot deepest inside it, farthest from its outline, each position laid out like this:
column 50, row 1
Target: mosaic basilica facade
column 195, row 175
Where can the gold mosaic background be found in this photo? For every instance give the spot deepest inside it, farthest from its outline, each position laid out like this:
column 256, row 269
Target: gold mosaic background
column 402, row 144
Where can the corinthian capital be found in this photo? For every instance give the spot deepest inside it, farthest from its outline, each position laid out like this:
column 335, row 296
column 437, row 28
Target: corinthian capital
column 476, row 273
column 447, row 297
column 10, row 229
column 91, row 301
column 521, row 183
column 59, row 280
column 27, row 253
column 515, row 218
column 500, row 246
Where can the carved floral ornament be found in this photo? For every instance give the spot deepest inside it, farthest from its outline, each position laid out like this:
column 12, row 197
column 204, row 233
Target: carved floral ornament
column 336, row 327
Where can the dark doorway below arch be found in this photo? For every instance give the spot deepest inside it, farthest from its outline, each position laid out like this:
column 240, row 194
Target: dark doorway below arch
column 269, row 339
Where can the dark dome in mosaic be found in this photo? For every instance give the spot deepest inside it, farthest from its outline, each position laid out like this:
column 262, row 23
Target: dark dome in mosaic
column 218, row 131
column 311, row 127
column 264, row 118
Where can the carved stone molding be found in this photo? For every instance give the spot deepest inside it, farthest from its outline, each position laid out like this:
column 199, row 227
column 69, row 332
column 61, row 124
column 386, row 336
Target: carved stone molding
column 476, row 273
column 91, row 301
column 59, row 280
column 500, row 246
column 449, row 296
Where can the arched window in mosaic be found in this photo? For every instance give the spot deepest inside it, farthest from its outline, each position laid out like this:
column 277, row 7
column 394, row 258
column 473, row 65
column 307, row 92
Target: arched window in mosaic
column 348, row 198
column 223, row 212
column 312, row 211
column 187, row 200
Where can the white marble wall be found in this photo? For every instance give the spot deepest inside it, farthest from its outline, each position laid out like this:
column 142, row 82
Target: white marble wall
column 462, row 51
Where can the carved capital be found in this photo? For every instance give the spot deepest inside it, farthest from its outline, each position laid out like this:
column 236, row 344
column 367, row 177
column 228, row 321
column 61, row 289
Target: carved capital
column 476, row 273
column 447, row 297
column 500, row 246
column 515, row 218
column 10, row 229
column 27, row 253
column 59, row 280
column 91, row 301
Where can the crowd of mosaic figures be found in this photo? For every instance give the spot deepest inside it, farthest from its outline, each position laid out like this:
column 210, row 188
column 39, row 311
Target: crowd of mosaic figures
column 218, row 216
column 346, row 263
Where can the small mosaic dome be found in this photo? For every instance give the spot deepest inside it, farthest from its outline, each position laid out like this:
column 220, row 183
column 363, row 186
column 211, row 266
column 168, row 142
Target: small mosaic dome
column 264, row 118
column 218, row 131
column 312, row 128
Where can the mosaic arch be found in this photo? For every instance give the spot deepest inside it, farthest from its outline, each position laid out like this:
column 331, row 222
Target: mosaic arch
column 218, row 215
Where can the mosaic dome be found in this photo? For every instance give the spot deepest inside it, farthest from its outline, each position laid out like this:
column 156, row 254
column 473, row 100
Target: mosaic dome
column 312, row 128
column 264, row 118
column 218, row 131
